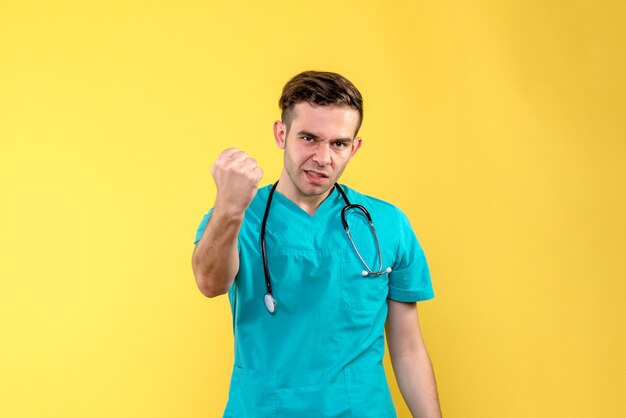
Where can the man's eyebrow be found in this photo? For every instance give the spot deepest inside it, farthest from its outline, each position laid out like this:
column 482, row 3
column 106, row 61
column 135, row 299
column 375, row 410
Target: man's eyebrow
column 307, row 133
column 314, row 136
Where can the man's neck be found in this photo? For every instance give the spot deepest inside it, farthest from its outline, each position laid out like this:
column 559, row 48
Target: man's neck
column 309, row 204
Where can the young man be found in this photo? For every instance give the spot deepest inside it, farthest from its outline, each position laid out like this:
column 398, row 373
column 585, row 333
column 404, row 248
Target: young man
column 309, row 299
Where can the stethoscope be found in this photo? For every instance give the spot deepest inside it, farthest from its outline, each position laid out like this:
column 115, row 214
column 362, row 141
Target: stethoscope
column 270, row 302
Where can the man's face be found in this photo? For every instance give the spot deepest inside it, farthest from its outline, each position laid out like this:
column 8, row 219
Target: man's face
column 318, row 147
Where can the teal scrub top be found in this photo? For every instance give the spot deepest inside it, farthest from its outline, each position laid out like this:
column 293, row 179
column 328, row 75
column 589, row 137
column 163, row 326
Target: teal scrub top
column 320, row 354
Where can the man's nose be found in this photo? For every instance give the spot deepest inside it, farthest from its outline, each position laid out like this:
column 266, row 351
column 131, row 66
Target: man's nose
column 322, row 154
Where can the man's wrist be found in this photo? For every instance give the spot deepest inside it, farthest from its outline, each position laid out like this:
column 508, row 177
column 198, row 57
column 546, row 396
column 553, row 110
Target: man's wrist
column 227, row 215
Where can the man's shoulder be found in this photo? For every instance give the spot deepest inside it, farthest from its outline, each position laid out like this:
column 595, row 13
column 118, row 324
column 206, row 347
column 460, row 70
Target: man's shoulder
column 368, row 201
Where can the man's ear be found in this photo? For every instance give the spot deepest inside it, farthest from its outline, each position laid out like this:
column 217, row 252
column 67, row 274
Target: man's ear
column 356, row 144
column 280, row 134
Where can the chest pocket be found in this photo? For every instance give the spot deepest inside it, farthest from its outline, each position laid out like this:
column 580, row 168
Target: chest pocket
column 362, row 292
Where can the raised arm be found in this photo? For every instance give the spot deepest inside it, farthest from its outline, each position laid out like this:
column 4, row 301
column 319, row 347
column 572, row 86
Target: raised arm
column 410, row 360
column 215, row 260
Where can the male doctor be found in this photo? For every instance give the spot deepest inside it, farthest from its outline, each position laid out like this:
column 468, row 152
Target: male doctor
column 310, row 302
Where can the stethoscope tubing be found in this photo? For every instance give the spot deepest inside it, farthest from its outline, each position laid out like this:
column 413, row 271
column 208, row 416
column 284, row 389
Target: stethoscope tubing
column 270, row 302
column 266, row 270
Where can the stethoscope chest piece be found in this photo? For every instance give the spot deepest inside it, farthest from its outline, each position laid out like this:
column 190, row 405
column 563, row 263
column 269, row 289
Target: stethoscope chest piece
column 270, row 303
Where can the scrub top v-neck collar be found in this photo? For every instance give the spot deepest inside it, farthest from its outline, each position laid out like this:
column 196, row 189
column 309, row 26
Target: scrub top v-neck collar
column 327, row 205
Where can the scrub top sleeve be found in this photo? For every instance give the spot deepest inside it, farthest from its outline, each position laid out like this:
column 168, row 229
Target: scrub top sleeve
column 410, row 279
column 202, row 226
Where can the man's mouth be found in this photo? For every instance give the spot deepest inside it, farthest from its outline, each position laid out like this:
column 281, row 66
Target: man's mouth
column 316, row 174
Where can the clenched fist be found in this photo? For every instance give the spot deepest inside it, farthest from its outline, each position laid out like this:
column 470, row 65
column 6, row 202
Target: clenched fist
column 237, row 177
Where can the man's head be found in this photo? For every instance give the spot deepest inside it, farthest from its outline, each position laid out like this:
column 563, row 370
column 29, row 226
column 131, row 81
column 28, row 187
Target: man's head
column 321, row 116
column 319, row 88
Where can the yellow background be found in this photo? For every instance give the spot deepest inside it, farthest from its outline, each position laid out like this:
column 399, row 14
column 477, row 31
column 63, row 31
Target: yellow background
column 498, row 127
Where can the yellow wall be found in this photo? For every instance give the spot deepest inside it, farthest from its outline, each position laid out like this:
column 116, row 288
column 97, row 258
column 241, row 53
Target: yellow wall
column 499, row 127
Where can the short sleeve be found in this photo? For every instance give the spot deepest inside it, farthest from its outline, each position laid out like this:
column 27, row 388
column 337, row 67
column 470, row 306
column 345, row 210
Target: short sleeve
column 410, row 279
column 202, row 226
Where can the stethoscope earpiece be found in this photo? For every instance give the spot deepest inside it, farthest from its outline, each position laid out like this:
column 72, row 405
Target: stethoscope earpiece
column 366, row 273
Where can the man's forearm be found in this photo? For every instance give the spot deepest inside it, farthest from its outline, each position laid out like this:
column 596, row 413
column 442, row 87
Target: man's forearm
column 416, row 380
column 215, row 260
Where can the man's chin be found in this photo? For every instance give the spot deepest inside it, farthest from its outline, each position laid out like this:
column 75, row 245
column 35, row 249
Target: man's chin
column 314, row 190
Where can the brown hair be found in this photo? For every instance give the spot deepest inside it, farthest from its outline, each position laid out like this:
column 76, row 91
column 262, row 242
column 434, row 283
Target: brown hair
column 320, row 88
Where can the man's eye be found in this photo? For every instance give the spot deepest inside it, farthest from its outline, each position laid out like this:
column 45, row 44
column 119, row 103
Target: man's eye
column 307, row 138
column 340, row 144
